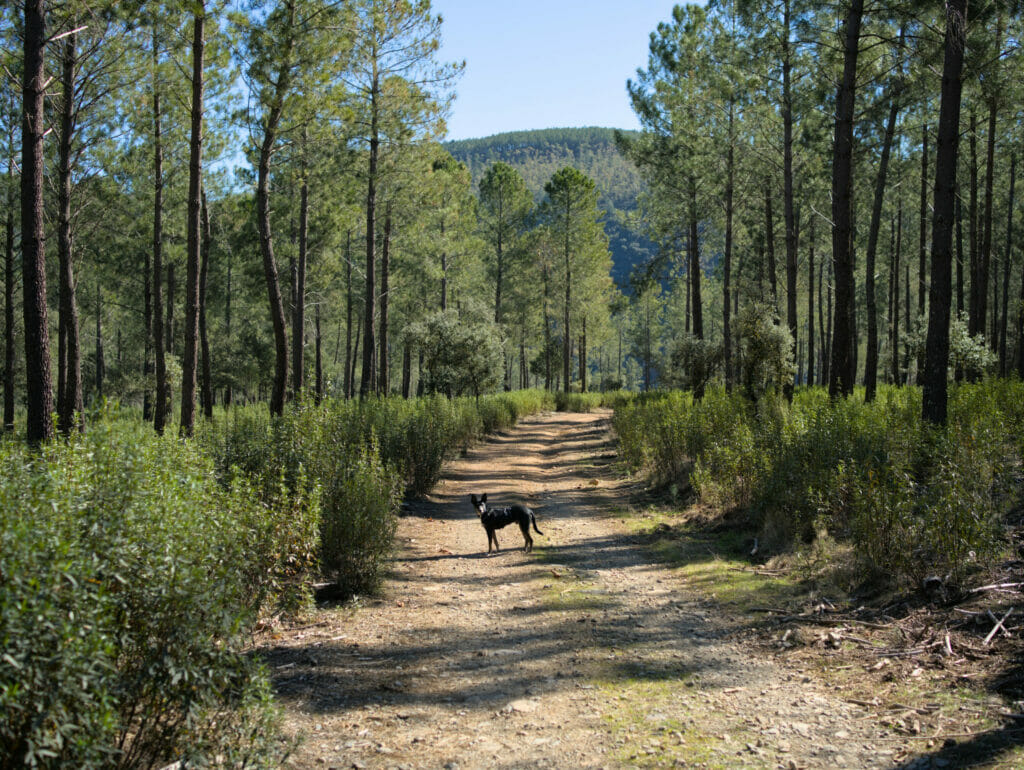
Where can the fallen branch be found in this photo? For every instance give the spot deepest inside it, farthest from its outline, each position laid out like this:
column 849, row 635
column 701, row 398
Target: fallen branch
column 943, row 736
column 998, row 625
column 918, row 709
column 908, row 653
column 831, row 621
column 994, row 586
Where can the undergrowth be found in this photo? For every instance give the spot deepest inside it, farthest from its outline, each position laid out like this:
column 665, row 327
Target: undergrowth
column 133, row 567
column 911, row 499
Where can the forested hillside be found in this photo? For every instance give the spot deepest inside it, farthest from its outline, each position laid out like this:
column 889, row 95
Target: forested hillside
column 539, row 154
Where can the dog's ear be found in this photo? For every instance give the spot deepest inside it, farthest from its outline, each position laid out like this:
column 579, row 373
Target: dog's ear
column 483, row 498
column 472, row 499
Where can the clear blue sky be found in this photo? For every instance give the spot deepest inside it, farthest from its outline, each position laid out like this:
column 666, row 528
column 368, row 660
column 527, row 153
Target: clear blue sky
column 545, row 63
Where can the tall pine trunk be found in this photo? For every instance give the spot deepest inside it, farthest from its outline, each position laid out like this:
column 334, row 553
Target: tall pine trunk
column 697, row 304
column 383, row 370
column 895, row 279
column 299, row 307
column 349, row 392
column 9, row 342
column 583, row 354
column 935, row 386
column 810, row 304
column 101, row 368
column 789, row 216
column 190, row 357
column 206, row 387
column 366, row 386
column 974, row 308
column 1006, row 267
column 566, row 338
column 318, row 364
column 769, row 243
column 69, row 390
column 871, row 357
column 39, row 400
column 730, row 171
column 270, row 273
column 843, row 367
column 985, row 263
column 922, row 284
column 160, row 404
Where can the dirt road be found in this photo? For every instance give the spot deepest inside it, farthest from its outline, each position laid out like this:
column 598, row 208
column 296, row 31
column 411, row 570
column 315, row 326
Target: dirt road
column 585, row 653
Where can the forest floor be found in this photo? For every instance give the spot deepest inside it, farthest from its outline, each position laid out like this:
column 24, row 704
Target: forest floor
column 629, row 637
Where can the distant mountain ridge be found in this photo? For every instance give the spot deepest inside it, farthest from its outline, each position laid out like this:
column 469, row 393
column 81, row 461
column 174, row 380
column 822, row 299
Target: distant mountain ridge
column 537, row 155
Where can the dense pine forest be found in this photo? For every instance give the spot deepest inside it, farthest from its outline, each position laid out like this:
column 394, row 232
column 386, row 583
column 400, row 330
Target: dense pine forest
column 253, row 300
column 539, row 154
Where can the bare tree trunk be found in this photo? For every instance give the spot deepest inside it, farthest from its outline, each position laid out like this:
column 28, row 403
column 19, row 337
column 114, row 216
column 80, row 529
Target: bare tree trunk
column 810, row 305
column 69, row 389
column 583, row 355
column 959, row 254
column 270, row 273
column 190, row 357
column 37, row 333
column 829, row 316
column 843, row 368
column 227, row 324
column 299, row 308
column 366, row 386
column 318, row 364
column 101, row 368
column 769, row 244
column 9, row 342
column 789, row 215
column 355, row 352
column 895, row 279
column 871, row 362
column 937, row 344
column 349, row 391
column 922, row 284
column 169, row 322
column 547, row 328
column 1003, row 366
column 160, row 404
column 695, row 275
column 147, row 347
column 985, row 263
column 566, row 338
column 383, row 371
column 974, row 306
column 730, row 165
column 206, row 389
column 406, row 369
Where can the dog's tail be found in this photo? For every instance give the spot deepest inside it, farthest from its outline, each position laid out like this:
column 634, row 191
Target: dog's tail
column 534, row 520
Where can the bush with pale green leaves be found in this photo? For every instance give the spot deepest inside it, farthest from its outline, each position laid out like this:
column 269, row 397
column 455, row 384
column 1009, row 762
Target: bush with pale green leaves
column 911, row 498
column 130, row 578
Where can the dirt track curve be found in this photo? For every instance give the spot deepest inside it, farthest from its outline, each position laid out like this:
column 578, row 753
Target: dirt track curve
column 585, row 653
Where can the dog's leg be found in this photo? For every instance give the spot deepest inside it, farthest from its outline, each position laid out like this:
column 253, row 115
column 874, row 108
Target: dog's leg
column 527, row 540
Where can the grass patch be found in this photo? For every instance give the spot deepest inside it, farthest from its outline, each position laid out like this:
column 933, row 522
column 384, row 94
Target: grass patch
column 714, row 560
column 569, row 593
column 644, row 736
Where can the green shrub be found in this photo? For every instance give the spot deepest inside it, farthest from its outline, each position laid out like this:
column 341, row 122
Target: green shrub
column 910, row 498
column 354, row 458
column 123, row 608
column 578, row 402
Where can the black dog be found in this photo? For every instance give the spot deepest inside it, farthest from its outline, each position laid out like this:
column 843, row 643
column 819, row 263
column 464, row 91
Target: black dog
column 502, row 517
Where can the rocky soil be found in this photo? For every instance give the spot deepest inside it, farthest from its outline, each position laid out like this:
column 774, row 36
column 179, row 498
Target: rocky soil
column 586, row 653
